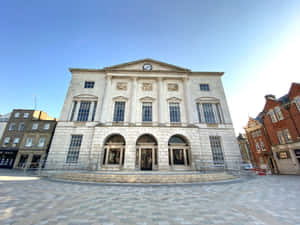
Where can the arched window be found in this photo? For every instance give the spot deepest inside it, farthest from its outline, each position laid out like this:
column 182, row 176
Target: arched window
column 146, row 152
column 114, row 151
column 179, row 154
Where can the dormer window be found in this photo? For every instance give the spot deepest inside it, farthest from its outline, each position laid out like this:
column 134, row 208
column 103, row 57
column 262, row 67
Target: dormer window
column 89, row 84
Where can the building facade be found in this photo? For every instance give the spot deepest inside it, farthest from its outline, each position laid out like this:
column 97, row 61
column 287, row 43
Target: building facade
column 143, row 115
column 245, row 149
column 282, row 122
column 278, row 127
column 260, row 145
column 22, row 125
column 3, row 121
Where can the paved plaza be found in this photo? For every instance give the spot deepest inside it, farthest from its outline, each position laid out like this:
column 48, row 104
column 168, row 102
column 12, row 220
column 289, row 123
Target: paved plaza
column 263, row 200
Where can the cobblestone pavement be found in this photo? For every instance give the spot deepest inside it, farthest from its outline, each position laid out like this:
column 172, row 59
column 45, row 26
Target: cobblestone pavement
column 264, row 200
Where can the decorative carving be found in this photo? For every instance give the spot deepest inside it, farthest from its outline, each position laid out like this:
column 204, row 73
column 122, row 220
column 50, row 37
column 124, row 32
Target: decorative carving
column 172, row 87
column 122, row 86
column 147, row 87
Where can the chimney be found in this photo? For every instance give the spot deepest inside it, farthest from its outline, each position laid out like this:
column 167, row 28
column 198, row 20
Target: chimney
column 271, row 97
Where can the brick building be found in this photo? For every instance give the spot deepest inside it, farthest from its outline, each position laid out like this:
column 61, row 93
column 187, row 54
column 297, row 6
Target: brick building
column 278, row 126
column 26, row 138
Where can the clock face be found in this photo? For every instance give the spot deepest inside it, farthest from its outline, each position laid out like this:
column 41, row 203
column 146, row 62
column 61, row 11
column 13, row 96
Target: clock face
column 147, row 67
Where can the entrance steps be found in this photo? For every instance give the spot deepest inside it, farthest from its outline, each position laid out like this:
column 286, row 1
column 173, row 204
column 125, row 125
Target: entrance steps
column 139, row 176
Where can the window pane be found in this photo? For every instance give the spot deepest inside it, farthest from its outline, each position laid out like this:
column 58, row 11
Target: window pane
column 174, row 112
column 94, row 111
column 273, row 117
column 208, row 113
column 217, row 153
column 119, row 111
column 204, row 87
column 73, row 153
column 73, row 110
column 219, row 113
column 178, row 157
column 84, row 110
column 89, row 84
column 199, row 112
column 114, row 156
column 147, row 112
column 21, row 126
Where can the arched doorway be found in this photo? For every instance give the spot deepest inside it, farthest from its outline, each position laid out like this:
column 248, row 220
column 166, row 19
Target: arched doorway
column 179, row 152
column 114, row 151
column 146, row 153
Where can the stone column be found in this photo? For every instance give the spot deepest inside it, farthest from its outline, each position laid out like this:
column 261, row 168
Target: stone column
column 106, row 99
column 91, row 111
column 161, row 101
column 130, row 153
column 163, row 157
column 187, row 101
column 133, row 100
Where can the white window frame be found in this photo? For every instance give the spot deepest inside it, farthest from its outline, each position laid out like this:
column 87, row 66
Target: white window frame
column 12, row 126
column 262, row 144
column 26, row 115
column 17, row 115
column 287, row 135
column 297, row 102
column 46, row 126
column 6, row 141
column 257, row 146
column 272, row 116
column 35, row 126
column 16, row 140
column 41, row 143
column 280, row 137
column 29, row 142
column 278, row 113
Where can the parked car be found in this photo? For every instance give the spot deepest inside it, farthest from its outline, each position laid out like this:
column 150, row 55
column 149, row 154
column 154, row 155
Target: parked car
column 247, row 166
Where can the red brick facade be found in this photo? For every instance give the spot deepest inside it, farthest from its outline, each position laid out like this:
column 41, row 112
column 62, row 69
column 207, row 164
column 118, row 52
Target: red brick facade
column 279, row 124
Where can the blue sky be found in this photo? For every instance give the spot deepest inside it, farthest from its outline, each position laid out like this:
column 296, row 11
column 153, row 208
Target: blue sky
column 256, row 43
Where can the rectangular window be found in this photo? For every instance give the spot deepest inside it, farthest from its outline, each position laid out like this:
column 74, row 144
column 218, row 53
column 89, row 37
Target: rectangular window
column 216, row 148
column 174, row 112
column 41, row 142
column 26, row 115
column 208, row 113
column 28, row 142
column 119, row 111
column 84, row 110
column 278, row 113
column 273, row 117
column 16, row 140
column 297, row 102
column 204, row 87
column 199, row 112
column 21, row 126
column 147, row 111
column 219, row 113
column 73, row 111
column 35, row 126
column 262, row 145
column 17, row 115
column 46, row 126
column 89, row 84
column 280, row 137
column 287, row 135
column 94, row 111
column 74, row 148
column 12, row 126
column 257, row 146
column 6, row 141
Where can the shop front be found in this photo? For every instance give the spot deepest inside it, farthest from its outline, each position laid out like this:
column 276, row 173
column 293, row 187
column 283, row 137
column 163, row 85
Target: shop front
column 7, row 158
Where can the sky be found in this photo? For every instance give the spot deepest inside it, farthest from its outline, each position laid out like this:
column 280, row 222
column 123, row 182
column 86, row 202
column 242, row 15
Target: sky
column 256, row 43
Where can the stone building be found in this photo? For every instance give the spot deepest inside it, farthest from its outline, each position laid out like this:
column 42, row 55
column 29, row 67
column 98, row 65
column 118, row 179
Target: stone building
column 144, row 115
column 25, row 127
column 245, row 149
column 3, row 121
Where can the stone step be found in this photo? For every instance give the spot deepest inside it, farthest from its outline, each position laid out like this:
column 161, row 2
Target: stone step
column 140, row 178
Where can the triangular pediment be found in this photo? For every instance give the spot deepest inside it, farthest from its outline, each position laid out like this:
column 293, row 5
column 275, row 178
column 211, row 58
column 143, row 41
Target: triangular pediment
column 155, row 65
